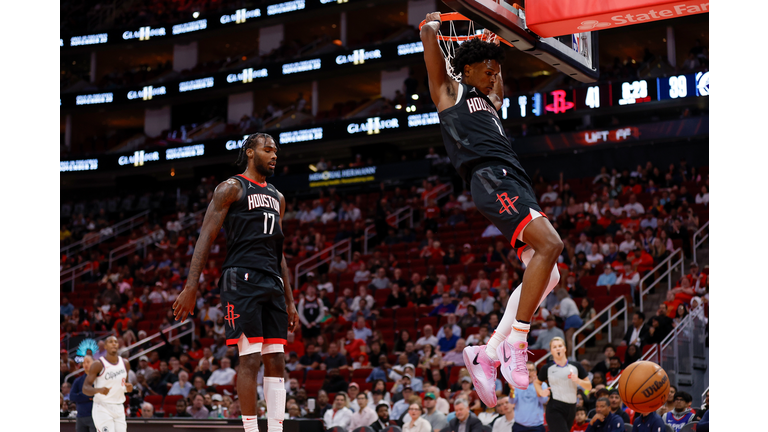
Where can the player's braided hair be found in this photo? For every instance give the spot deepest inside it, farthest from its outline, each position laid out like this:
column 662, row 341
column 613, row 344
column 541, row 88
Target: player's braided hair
column 251, row 142
column 474, row 51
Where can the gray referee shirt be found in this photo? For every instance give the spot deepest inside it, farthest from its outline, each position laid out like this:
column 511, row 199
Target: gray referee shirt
column 561, row 387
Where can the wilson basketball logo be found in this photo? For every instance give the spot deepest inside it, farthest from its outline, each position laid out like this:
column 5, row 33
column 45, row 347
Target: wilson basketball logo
column 231, row 316
column 650, row 390
column 506, row 203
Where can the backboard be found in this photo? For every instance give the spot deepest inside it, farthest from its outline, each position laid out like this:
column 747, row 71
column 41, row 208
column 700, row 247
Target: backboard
column 575, row 55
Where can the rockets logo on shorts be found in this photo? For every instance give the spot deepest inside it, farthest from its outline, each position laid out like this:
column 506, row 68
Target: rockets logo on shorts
column 506, row 203
column 246, row 276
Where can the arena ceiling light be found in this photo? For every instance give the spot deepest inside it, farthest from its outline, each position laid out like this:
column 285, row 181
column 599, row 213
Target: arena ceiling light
column 195, row 14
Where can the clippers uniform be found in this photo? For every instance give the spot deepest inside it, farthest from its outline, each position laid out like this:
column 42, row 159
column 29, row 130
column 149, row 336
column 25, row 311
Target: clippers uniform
column 108, row 411
column 483, row 157
column 252, row 291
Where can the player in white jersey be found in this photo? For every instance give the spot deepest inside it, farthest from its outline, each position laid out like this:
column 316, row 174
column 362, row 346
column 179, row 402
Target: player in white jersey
column 107, row 383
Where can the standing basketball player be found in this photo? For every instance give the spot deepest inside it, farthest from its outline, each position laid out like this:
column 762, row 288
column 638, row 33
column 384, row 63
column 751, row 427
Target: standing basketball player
column 501, row 190
column 107, row 383
column 255, row 288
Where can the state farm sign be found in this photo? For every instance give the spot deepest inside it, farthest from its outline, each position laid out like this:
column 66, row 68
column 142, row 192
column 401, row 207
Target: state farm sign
column 548, row 19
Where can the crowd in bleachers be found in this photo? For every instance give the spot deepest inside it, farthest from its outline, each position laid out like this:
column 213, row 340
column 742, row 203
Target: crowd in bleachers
column 391, row 324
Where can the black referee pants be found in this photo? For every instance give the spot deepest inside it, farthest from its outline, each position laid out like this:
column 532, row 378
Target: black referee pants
column 560, row 416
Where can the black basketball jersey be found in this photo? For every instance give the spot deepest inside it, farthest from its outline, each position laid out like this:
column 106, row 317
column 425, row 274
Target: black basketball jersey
column 252, row 227
column 472, row 133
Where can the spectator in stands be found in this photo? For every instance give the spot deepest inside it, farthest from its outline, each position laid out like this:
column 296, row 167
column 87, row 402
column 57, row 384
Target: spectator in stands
column 641, row 261
column 401, row 406
column 584, row 245
column 360, row 329
column 66, row 309
column 594, row 257
column 484, row 303
column 182, row 386
column 338, row 265
column 467, row 257
column 628, row 245
column 364, row 415
column 334, row 382
column 449, row 339
column 197, row 410
column 396, row 299
column 455, row 356
column 224, row 375
column 549, row 196
column 402, row 340
column 551, row 331
column 328, row 215
column 649, row 221
column 446, row 306
column 311, row 313
column 437, row 420
column 381, row 281
column 362, row 294
column 334, row 360
column 604, row 419
column 382, row 420
column 339, row 415
column 703, row 196
column 464, row 421
column 682, row 414
column 203, row 370
column 608, row 278
column 362, row 274
column 630, row 277
column 614, row 370
column 427, row 338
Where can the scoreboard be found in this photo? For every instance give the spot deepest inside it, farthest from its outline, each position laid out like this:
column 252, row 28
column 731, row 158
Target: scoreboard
column 605, row 95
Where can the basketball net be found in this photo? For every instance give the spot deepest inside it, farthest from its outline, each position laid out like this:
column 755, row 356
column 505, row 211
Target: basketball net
column 448, row 44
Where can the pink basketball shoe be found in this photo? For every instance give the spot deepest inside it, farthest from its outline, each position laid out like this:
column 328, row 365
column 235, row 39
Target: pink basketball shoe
column 513, row 359
column 482, row 370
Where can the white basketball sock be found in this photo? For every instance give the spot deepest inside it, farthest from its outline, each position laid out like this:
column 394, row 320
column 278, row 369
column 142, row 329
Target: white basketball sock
column 251, row 423
column 509, row 319
column 274, row 395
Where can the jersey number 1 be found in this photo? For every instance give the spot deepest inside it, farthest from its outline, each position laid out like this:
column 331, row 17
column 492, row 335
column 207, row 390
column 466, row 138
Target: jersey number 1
column 501, row 131
column 268, row 216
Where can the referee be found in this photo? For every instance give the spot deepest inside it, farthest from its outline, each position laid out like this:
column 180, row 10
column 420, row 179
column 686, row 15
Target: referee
column 563, row 378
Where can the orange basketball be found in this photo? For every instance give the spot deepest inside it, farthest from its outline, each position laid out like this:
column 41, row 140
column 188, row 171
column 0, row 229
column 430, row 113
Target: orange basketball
column 644, row 386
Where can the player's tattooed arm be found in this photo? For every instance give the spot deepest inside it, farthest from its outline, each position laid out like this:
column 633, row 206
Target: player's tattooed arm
column 290, row 306
column 225, row 194
column 93, row 372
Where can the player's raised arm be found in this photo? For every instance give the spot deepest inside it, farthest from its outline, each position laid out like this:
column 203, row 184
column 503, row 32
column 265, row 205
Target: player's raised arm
column 497, row 94
column 93, row 372
column 442, row 88
column 225, row 194
column 290, row 306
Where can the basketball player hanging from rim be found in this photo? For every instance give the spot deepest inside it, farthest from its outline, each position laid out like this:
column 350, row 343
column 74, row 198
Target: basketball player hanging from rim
column 501, row 190
column 255, row 286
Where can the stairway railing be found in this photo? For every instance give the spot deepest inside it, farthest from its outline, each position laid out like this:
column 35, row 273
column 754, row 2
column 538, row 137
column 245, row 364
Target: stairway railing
column 611, row 316
column 697, row 243
column 394, row 219
column 116, row 229
column 674, row 260
column 143, row 242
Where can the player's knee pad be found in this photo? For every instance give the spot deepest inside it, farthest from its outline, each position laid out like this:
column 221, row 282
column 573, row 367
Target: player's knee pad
column 276, row 404
column 272, row 348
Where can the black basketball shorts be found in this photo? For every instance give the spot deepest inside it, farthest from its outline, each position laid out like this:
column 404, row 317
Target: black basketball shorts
column 254, row 305
column 506, row 199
